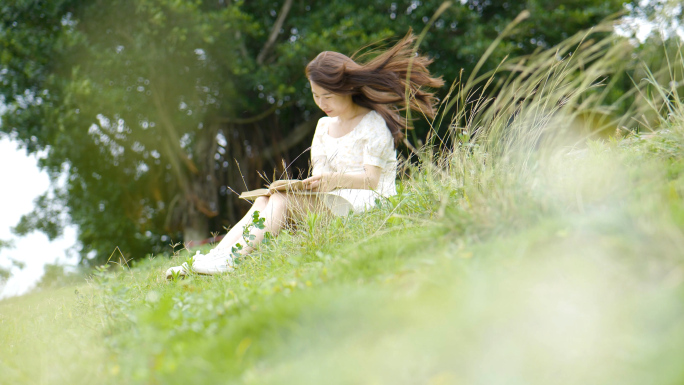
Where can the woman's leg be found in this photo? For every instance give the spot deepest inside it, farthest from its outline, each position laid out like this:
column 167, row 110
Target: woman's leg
column 235, row 233
column 278, row 209
column 276, row 216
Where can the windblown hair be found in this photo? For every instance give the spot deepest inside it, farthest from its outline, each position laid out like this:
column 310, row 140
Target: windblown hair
column 380, row 84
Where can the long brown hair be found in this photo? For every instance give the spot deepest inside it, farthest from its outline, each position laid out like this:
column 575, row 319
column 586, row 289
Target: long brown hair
column 380, row 84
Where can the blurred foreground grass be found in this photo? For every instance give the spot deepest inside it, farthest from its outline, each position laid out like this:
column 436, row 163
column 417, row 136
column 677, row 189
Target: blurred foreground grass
column 51, row 337
column 509, row 256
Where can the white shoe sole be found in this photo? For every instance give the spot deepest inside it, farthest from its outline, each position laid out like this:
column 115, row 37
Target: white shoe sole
column 181, row 271
column 211, row 269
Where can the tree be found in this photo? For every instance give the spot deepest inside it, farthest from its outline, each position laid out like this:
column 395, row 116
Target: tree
column 154, row 108
column 6, row 273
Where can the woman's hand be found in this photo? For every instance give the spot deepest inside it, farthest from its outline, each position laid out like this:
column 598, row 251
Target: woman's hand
column 322, row 183
column 329, row 181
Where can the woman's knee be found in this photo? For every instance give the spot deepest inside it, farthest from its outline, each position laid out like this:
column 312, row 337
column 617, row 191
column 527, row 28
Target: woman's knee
column 260, row 202
column 278, row 200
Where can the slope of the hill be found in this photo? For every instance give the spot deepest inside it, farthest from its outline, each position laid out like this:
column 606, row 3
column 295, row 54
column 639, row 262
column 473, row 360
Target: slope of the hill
column 531, row 285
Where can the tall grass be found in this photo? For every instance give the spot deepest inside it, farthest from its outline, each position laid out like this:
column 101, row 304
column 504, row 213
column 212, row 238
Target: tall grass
column 511, row 136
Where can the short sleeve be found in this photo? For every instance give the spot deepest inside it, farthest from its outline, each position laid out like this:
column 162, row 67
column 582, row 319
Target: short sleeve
column 319, row 158
column 379, row 144
column 317, row 148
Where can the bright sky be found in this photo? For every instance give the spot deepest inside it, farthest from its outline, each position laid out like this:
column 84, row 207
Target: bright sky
column 23, row 183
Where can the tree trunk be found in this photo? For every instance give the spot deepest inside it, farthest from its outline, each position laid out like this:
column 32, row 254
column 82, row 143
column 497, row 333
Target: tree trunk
column 196, row 227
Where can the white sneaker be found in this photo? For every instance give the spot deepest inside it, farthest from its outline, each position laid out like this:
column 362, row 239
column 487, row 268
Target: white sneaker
column 197, row 257
column 184, row 269
column 217, row 261
column 180, row 271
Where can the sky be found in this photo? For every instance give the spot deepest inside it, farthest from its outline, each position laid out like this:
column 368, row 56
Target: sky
column 23, row 182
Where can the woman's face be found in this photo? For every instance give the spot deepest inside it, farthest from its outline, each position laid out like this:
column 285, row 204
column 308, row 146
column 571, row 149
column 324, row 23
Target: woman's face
column 332, row 104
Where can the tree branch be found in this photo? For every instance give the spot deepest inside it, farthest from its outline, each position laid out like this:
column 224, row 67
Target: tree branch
column 274, row 31
column 297, row 135
column 241, row 45
column 254, row 118
column 167, row 123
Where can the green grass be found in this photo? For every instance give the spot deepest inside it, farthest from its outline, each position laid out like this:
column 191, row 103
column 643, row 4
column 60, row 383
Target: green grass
column 514, row 253
column 52, row 337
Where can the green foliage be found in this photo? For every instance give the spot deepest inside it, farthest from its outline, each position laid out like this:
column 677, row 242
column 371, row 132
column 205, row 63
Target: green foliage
column 47, row 217
column 256, row 223
column 57, row 276
column 6, row 244
column 4, row 272
column 18, row 264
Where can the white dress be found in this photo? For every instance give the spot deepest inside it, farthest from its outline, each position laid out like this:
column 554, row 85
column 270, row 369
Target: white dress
column 371, row 143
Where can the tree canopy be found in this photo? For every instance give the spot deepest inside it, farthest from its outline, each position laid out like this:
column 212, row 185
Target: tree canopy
column 155, row 110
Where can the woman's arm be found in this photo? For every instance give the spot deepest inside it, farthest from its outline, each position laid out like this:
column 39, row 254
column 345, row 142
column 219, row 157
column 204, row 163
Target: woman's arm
column 367, row 180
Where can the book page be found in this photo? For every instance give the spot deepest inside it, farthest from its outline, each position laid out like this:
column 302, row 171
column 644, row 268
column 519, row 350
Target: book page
column 254, row 194
column 293, row 186
column 287, row 185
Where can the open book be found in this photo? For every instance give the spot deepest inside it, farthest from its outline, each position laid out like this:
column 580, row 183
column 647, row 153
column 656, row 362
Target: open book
column 285, row 185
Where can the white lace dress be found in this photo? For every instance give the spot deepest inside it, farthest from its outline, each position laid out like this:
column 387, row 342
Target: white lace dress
column 371, row 143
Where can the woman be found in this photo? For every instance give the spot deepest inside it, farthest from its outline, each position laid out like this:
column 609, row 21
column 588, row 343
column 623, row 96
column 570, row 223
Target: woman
column 353, row 150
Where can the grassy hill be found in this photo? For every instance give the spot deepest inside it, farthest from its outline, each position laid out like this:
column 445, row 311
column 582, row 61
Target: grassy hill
column 514, row 253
